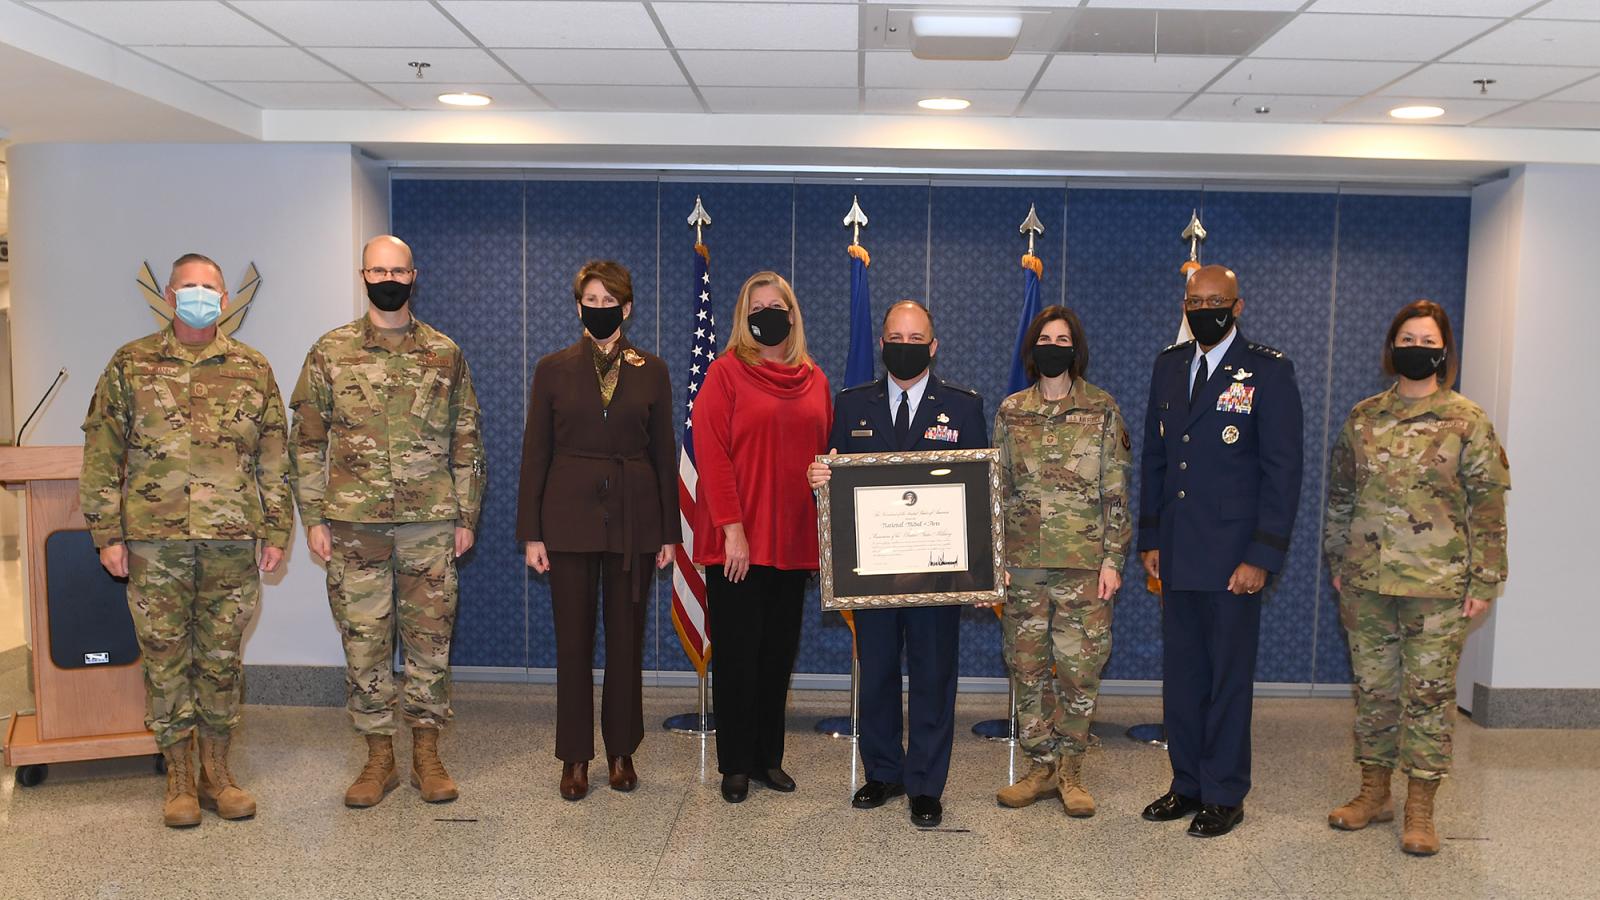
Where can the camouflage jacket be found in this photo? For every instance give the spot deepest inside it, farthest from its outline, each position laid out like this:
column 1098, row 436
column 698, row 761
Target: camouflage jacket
column 386, row 429
column 1064, row 478
column 1417, row 498
column 184, row 444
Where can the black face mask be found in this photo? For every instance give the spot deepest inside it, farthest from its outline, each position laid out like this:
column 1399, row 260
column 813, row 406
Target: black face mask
column 1209, row 326
column 601, row 321
column 770, row 326
column 389, row 295
column 1417, row 363
column 906, row 361
column 1052, row 359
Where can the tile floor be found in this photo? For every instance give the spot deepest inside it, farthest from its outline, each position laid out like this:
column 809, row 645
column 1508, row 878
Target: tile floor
column 1513, row 821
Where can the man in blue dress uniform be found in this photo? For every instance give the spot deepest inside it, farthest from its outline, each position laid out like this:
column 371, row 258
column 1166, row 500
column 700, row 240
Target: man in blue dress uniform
column 909, row 409
column 1221, row 483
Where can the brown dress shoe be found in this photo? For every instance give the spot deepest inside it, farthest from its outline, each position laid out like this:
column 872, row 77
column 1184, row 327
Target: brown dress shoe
column 623, row 778
column 574, row 780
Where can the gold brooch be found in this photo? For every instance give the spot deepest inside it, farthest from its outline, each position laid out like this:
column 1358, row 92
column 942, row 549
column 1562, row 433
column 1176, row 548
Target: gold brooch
column 632, row 358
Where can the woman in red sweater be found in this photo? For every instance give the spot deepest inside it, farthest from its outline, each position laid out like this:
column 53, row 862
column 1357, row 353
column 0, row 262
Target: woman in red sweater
column 761, row 416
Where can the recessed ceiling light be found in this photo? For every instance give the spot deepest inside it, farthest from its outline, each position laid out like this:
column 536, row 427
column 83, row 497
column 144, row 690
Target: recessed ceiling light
column 944, row 103
column 1417, row 112
column 466, row 98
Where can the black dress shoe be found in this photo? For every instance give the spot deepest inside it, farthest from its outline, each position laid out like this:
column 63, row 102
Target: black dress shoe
column 1171, row 807
column 777, row 779
column 1215, row 820
column 926, row 812
column 874, row 794
column 735, row 788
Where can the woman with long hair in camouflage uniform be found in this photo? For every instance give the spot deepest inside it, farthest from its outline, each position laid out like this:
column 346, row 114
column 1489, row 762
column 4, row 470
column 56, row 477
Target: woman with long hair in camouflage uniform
column 1415, row 539
column 1064, row 461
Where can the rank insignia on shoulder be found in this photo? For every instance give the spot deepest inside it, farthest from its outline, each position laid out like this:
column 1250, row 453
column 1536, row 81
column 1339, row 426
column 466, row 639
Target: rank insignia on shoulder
column 632, row 357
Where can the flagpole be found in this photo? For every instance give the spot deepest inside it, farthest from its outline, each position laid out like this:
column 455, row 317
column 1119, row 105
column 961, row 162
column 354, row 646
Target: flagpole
column 702, row 721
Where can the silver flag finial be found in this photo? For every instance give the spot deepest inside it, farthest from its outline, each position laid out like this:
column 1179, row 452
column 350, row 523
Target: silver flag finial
column 1196, row 233
column 856, row 218
column 699, row 218
column 1031, row 226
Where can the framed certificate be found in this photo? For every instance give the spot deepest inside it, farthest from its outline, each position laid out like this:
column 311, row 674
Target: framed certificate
column 919, row 528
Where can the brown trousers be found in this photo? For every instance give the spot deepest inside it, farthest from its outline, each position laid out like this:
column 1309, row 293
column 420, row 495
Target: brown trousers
column 575, row 583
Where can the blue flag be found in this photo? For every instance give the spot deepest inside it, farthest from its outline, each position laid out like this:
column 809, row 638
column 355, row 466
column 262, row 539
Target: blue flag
column 861, row 365
column 1030, row 310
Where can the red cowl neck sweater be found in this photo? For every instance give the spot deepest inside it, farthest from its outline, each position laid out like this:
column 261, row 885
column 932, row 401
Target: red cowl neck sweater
column 756, row 428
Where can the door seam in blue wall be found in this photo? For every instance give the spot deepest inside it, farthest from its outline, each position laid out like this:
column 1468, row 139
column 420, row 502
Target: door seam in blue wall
column 927, row 253
column 655, row 583
column 527, row 616
column 1327, row 422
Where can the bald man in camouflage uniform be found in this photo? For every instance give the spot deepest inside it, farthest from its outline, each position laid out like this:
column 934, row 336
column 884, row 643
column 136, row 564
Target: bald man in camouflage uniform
column 185, row 487
column 1415, row 537
column 389, row 475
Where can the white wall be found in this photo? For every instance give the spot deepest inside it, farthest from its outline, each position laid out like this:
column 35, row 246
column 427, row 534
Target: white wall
column 1534, row 320
column 83, row 219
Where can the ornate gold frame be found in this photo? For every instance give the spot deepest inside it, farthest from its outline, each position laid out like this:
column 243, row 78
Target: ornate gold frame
column 997, row 529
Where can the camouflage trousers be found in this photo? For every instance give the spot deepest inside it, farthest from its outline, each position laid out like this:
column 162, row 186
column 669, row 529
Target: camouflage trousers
column 388, row 574
column 191, row 603
column 1056, row 634
column 1404, row 651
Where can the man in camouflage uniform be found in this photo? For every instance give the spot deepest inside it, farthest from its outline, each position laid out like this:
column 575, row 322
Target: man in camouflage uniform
column 185, row 487
column 1415, row 537
column 1065, row 467
column 389, row 475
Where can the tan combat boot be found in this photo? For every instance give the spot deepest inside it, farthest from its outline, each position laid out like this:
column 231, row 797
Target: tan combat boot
column 1373, row 804
column 1419, row 838
column 1039, row 782
column 1069, row 779
column 218, row 791
column 181, row 809
column 377, row 777
column 427, row 772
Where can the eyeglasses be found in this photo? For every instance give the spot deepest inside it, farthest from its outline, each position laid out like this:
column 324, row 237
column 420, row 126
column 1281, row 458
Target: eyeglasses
column 381, row 273
column 1212, row 302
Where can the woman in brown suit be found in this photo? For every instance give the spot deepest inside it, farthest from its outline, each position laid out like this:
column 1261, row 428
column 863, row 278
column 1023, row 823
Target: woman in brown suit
column 599, row 500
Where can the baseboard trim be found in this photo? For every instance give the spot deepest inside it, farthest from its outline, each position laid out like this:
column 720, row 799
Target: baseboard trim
column 294, row 685
column 1494, row 707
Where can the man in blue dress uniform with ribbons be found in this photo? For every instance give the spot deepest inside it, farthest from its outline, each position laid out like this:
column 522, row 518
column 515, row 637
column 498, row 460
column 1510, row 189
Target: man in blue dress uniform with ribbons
column 1220, row 485
column 908, row 409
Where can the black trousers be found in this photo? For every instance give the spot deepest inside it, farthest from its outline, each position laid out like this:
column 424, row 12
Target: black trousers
column 755, row 634
column 1209, row 643
column 574, row 582
column 930, row 637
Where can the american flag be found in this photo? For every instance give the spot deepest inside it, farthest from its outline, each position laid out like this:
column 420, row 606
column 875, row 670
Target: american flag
column 688, row 586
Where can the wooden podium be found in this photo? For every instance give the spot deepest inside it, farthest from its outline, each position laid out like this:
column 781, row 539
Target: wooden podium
column 80, row 714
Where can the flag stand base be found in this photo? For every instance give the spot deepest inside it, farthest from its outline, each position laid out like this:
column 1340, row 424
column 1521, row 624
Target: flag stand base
column 846, row 727
column 1003, row 731
column 700, row 722
column 1152, row 733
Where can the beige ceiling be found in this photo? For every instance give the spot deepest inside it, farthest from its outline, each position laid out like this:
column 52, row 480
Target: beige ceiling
column 1327, row 61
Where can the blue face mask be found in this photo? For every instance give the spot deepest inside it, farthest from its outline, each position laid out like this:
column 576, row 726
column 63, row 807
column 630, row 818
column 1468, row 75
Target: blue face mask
column 198, row 307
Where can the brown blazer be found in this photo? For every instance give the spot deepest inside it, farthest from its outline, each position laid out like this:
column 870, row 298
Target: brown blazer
column 598, row 478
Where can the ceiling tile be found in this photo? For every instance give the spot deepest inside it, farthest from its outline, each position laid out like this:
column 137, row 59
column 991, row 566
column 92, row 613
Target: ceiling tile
column 1546, row 43
column 622, row 98
column 244, row 63
column 1511, row 82
column 826, row 100
column 898, row 68
column 1568, row 9
column 1588, row 92
column 556, row 23
column 1098, row 105
column 1545, row 114
column 771, row 68
column 1199, row 4
column 356, row 23
column 1298, row 76
column 560, row 66
column 760, row 26
column 1242, row 107
column 205, row 22
column 1076, row 72
column 1456, row 112
column 390, row 64
column 307, row 95
column 426, row 96
column 1417, row 38
column 1493, row 8
column 898, row 101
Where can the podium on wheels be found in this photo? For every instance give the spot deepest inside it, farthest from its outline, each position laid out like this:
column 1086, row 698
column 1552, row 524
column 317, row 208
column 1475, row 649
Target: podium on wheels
column 89, row 694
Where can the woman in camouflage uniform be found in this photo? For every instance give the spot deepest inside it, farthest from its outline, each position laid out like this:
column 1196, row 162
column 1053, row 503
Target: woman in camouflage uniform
column 1416, row 542
column 1064, row 461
